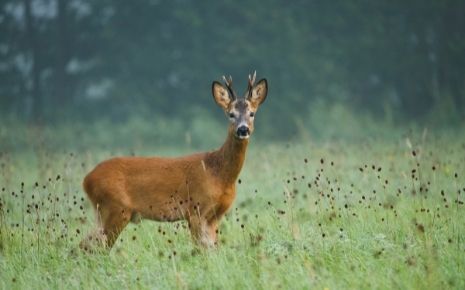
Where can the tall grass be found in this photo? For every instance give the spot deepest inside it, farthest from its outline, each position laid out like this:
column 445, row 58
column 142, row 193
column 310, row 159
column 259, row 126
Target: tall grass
column 385, row 213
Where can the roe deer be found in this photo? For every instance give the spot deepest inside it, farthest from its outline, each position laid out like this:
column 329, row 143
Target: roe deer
column 199, row 188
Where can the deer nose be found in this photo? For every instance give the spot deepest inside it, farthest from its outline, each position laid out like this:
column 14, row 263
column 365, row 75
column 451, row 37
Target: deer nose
column 243, row 131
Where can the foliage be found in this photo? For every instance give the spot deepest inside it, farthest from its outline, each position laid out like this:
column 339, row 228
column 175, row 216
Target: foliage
column 71, row 59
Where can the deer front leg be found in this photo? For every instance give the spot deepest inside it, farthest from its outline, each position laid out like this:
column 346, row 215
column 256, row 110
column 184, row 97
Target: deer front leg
column 203, row 232
column 212, row 229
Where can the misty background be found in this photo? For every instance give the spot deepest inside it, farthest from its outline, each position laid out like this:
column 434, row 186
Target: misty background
column 101, row 71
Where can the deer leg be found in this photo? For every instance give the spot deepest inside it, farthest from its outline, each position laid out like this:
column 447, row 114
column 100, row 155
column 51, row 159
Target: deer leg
column 96, row 238
column 213, row 223
column 111, row 220
column 114, row 220
column 212, row 229
column 201, row 232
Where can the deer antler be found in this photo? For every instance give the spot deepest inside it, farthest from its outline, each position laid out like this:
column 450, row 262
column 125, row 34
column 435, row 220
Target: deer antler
column 228, row 83
column 251, row 83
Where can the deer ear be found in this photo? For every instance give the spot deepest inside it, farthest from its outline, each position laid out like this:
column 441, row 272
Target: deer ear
column 259, row 92
column 221, row 95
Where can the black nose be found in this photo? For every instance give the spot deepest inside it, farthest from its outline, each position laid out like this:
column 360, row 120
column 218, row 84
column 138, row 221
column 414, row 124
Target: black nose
column 243, row 131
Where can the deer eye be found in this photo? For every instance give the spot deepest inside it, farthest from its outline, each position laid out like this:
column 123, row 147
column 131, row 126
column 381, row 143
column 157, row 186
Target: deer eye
column 252, row 114
column 231, row 115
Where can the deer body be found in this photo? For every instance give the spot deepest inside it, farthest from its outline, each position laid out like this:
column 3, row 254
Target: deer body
column 199, row 188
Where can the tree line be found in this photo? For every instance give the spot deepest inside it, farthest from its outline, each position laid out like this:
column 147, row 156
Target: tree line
column 73, row 58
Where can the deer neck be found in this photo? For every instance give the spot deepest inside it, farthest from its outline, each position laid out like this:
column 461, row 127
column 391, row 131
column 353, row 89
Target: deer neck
column 228, row 160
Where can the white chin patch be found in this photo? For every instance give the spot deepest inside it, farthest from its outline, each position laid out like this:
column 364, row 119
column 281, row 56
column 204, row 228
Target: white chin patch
column 243, row 137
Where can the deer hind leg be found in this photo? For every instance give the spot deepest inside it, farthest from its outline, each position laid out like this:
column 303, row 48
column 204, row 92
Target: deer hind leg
column 94, row 240
column 112, row 218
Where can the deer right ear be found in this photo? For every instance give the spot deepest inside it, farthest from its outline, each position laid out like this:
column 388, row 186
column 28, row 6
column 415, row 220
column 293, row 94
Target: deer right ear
column 221, row 95
column 259, row 92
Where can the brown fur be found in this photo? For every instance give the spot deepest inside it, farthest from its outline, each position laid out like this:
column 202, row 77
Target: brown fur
column 199, row 188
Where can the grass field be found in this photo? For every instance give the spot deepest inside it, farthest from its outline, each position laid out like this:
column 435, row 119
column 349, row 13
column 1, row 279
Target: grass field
column 379, row 214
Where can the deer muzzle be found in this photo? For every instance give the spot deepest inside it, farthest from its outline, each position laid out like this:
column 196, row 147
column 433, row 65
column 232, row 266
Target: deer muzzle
column 243, row 132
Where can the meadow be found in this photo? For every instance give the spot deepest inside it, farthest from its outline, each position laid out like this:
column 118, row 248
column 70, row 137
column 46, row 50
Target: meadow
column 378, row 213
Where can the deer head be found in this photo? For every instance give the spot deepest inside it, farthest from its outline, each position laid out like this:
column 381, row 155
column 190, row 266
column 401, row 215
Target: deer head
column 240, row 110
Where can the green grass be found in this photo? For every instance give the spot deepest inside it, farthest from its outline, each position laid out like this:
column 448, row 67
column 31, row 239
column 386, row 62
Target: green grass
column 366, row 215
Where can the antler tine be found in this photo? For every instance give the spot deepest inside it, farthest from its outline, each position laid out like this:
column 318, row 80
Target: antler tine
column 228, row 83
column 251, row 82
column 252, row 79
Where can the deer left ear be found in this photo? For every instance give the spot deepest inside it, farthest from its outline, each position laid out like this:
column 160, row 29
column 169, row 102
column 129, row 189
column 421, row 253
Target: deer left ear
column 259, row 92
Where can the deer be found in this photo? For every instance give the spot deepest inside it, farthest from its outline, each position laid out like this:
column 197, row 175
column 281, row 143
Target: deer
column 198, row 188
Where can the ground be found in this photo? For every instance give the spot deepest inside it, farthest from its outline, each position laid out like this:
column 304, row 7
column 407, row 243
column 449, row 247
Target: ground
column 374, row 214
